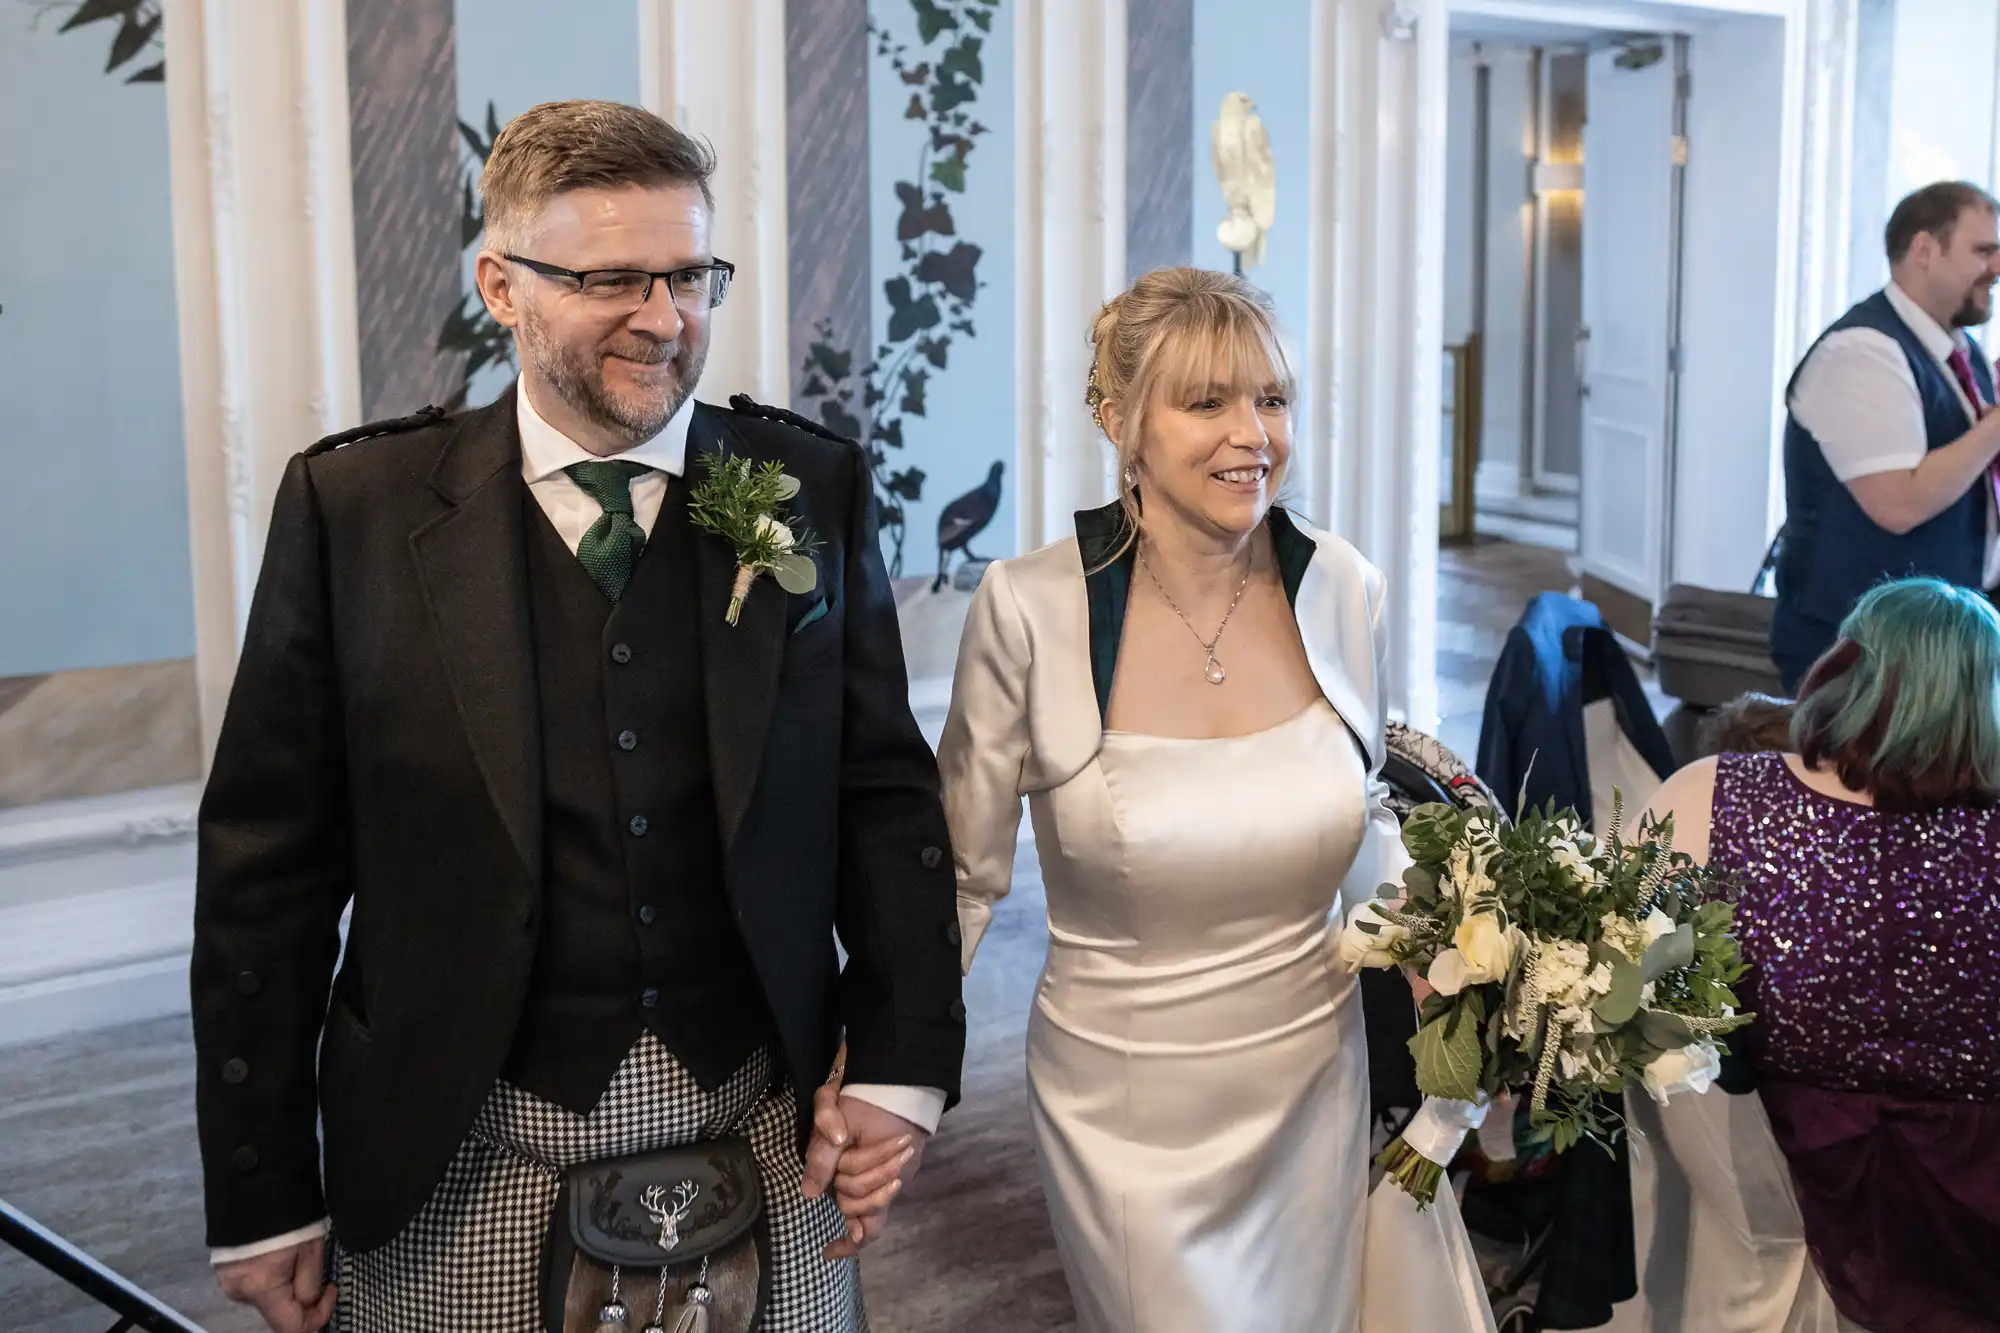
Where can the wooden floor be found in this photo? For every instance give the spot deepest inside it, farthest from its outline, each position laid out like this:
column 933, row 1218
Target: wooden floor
column 97, row 1132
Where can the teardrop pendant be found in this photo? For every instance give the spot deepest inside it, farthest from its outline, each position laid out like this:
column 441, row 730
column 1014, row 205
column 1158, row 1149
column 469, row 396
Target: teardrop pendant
column 1213, row 672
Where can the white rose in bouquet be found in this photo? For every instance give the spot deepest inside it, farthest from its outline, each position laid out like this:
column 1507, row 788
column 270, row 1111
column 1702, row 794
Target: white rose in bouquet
column 1690, row 1069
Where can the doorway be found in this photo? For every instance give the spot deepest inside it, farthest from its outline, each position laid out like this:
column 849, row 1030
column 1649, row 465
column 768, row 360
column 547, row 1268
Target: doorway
column 1565, row 174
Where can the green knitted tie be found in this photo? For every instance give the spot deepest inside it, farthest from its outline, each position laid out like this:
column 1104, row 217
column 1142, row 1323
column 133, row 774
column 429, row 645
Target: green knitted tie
column 610, row 549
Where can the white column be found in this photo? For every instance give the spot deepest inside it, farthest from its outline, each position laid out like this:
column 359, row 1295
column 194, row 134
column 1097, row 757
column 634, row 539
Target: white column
column 264, row 278
column 717, row 70
column 1369, row 427
column 1069, row 230
column 1821, row 44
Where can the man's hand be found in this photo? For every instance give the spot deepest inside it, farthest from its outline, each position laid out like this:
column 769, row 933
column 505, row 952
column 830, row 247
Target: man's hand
column 288, row 1287
column 864, row 1155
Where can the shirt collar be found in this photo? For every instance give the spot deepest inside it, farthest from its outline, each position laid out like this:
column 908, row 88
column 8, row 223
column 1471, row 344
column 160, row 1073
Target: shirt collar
column 546, row 451
column 1939, row 341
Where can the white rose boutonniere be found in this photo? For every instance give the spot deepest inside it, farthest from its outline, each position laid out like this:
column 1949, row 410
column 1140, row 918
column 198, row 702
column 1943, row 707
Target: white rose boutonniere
column 738, row 502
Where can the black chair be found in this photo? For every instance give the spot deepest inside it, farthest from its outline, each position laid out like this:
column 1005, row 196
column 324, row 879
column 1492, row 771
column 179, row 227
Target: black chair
column 134, row 1308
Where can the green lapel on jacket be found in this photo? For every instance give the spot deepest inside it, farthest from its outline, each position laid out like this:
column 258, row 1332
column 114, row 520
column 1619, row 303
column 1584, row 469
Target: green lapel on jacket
column 1107, row 581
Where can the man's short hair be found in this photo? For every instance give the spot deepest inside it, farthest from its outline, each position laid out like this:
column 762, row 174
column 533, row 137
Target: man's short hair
column 1934, row 209
column 556, row 147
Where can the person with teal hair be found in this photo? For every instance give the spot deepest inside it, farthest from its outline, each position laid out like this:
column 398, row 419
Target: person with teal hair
column 1867, row 862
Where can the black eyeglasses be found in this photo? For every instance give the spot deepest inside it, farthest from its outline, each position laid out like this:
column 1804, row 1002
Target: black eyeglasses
column 693, row 289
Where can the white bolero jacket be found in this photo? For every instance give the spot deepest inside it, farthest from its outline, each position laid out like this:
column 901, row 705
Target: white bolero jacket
column 1034, row 675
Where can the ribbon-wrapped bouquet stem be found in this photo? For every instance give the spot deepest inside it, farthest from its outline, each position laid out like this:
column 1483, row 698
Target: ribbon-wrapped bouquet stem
column 1562, row 964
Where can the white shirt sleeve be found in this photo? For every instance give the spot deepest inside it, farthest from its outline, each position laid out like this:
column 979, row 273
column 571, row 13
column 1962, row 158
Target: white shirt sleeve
column 922, row 1107
column 230, row 1254
column 1857, row 397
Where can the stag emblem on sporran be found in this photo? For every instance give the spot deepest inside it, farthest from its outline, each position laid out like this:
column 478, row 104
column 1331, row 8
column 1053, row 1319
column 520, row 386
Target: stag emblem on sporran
column 669, row 1211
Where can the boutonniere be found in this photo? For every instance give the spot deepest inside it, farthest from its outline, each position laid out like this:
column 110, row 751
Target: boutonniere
column 738, row 502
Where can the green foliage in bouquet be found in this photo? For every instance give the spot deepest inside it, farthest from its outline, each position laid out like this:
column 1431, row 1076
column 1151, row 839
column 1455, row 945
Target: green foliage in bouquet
column 1564, row 963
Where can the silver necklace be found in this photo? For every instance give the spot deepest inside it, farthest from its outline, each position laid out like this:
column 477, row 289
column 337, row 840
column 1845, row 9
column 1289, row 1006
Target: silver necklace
column 1212, row 670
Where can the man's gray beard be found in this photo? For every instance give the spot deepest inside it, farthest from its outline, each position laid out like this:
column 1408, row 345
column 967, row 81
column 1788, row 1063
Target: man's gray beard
column 580, row 383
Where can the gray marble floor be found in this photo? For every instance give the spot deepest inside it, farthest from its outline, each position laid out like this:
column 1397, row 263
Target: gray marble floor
column 97, row 1132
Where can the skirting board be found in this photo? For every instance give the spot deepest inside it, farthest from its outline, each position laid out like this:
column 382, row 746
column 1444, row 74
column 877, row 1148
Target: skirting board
column 96, row 912
column 72, row 964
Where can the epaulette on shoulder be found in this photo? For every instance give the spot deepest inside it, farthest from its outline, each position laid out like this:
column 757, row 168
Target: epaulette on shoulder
column 417, row 420
column 747, row 405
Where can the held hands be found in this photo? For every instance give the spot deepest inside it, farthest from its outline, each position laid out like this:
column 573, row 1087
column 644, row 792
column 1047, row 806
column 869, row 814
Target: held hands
column 864, row 1155
column 287, row 1287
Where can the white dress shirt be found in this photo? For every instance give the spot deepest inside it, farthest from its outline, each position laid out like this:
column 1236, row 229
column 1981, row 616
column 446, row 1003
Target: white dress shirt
column 1858, row 398
column 545, row 452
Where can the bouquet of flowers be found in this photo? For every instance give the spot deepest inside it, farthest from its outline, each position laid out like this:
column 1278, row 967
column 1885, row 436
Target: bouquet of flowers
column 1564, row 964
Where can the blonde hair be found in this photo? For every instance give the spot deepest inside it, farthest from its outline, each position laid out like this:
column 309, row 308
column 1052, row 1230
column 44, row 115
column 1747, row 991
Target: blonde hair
column 556, row 147
column 1176, row 331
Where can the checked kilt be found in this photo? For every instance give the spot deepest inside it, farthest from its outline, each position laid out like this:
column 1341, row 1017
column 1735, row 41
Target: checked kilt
column 469, row 1259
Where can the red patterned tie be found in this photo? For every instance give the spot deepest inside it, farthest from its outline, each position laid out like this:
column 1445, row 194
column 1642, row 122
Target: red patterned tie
column 1961, row 366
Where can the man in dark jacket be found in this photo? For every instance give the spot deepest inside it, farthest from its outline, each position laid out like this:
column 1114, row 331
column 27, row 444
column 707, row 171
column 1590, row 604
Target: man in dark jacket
column 597, row 829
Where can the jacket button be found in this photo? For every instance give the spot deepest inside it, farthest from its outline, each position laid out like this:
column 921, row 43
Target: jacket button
column 649, row 998
column 628, row 740
column 621, row 653
column 249, row 983
column 638, row 826
column 958, row 1011
column 235, row 1071
column 954, row 934
column 244, row 1158
column 931, row 856
column 646, row 915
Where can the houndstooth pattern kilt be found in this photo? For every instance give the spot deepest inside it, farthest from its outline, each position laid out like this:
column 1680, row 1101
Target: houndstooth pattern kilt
column 469, row 1259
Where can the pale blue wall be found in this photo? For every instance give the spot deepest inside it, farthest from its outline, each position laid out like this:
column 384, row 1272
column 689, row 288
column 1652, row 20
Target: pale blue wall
column 515, row 53
column 93, row 509
column 970, row 419
column 1262, row 50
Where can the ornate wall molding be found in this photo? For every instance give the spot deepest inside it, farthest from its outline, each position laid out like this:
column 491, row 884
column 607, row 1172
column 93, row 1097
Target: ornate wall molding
column 718, row 70
column 264, row 278
column 1070, row 230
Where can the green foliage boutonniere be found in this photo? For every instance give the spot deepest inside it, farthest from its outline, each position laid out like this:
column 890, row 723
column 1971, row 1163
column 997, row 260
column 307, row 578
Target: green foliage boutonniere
column 738, row 502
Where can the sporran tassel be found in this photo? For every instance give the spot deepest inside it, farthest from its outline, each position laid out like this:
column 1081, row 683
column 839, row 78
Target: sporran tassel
column 700, row 1308
column 612, row 1316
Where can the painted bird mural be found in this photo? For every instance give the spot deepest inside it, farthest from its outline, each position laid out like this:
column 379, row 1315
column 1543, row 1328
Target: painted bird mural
column 965, row 518
column 1243, row 168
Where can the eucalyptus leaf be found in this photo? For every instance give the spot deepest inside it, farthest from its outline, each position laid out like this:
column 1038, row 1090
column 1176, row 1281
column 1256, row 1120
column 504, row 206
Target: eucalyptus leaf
column 1448, row 1059
column 1617, row 1007
column 1666, row 1030
column 1669, row 952
column 796, row 573
column 788, row 486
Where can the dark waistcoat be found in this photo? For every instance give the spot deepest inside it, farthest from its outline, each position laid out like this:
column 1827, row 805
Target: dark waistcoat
column 1832, row 551
column 637, row 931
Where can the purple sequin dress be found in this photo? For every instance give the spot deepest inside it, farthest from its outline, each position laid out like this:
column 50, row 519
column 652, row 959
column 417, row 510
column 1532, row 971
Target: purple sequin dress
column 1874, row 946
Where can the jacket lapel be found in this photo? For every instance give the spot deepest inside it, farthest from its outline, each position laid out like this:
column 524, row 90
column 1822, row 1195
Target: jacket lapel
column 1330, row 624
column 740, row 662
column 473, row 564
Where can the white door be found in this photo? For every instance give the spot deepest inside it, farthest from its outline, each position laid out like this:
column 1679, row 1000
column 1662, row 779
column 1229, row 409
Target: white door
column 1629, row 235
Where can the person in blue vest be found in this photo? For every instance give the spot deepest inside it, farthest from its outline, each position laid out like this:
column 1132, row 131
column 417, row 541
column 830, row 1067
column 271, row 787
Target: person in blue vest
column 1889, row 448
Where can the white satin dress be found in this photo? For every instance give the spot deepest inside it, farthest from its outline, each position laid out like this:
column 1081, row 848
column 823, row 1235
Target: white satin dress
column 1198, row 1078
column 1197, row 1069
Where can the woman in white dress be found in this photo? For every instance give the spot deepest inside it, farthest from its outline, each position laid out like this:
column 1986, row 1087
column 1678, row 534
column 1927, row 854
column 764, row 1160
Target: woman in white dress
column 1190, row 703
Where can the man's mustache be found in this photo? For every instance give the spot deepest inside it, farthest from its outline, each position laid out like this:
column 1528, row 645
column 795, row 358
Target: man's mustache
column 646, row 353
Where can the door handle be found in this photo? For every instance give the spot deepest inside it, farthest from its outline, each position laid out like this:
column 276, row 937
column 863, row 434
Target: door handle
column 1580, row 351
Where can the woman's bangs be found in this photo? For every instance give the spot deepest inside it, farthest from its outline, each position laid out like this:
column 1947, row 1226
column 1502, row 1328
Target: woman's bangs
column 1228, row 357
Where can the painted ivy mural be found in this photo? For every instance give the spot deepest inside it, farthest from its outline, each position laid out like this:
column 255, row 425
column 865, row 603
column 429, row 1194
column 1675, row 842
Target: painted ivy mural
column 138, row 36
column 471, row 328
column 931, row 299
